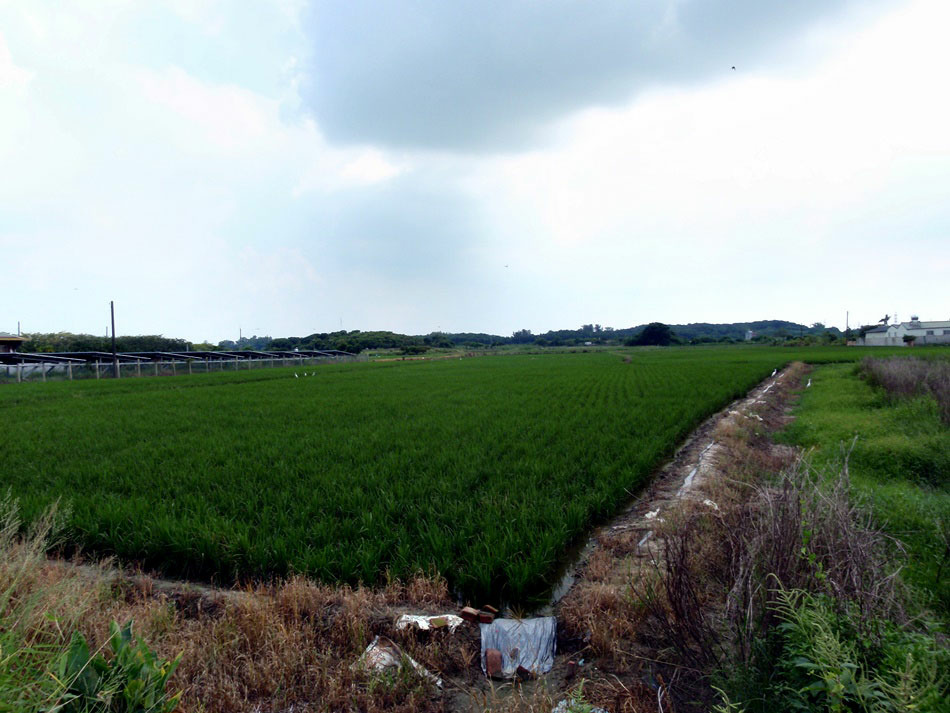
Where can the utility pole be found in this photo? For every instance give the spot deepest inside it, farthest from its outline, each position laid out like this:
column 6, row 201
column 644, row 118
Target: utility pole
column 115, row 357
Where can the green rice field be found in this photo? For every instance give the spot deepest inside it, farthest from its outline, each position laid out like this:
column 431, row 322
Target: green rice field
column 485, row 470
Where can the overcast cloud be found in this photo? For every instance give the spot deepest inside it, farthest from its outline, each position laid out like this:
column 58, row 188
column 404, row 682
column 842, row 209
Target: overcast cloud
column 492, row 74
column 291, row 167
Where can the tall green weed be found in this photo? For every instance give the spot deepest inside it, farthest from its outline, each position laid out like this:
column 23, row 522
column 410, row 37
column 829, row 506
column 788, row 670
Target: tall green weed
column 825, row 664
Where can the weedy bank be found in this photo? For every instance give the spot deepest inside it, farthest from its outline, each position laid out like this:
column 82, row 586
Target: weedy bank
column 781, row 584
column 897, row 412
column 483, row 470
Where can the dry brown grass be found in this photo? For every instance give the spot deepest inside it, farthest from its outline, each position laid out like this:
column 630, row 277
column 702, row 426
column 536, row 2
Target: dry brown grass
column 906, row 377
column 606, row 616
column 270, row 648
column 295, row 644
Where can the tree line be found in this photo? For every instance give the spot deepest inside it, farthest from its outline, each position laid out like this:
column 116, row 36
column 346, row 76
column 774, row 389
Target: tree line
column 356, row 341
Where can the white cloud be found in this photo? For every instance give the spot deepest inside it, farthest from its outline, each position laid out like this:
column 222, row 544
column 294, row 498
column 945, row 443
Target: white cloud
column 11, row 75
column 159, row 189
column 195, row 193
column 761, row 173
column 223, row 117
column 370, row 166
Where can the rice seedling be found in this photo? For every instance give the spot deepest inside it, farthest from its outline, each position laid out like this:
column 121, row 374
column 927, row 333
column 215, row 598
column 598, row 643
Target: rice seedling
column 484, row 470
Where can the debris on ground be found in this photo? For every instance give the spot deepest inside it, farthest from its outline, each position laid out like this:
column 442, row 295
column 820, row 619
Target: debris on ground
column 493, row 664
column 526, row 644
column 383, row 654
column 573, row 706
column 448, row 622
column 485, row 617
column 571, row 669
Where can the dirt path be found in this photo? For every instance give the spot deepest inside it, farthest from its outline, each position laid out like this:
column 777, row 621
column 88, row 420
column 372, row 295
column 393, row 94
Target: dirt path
column 697, row 459
column 597, row 620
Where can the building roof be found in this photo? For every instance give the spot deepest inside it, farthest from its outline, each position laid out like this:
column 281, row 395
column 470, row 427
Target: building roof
column 7, row 337
column 926, row 325
column 877, row 330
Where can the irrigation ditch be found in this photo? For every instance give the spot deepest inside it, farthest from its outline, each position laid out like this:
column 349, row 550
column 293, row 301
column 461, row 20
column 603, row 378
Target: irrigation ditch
column 270, row 657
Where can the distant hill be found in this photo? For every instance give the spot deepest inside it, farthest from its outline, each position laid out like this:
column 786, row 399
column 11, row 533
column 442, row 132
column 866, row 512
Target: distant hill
column 695, row 332
column 780, row 328
column 357, row 340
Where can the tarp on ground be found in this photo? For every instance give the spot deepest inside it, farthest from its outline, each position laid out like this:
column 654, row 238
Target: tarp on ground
column 522, row 642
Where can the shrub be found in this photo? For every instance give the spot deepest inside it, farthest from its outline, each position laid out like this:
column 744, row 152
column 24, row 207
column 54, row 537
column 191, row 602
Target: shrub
column 825, row 665
column 813, row 612
column 907, row 377
column 133, row 681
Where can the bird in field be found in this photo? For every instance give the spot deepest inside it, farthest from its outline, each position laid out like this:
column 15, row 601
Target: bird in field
column 808, row 384
column 774, row 372
column 296, row 375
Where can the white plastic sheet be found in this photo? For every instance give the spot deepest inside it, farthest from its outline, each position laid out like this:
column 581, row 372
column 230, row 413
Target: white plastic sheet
column 522, row 642
column 383, row 654
column 426, row 623
column 566, row 706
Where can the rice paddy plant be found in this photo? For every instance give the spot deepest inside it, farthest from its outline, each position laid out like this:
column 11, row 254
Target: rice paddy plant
column 485, row 470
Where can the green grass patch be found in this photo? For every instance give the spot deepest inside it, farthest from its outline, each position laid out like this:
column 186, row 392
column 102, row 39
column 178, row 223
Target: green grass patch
column 900, row 464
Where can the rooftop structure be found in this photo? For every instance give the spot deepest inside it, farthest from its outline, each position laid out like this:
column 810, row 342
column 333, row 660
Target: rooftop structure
column 914, row 332
column 10, row 342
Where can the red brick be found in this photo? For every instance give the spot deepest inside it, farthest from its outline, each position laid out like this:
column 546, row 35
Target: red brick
column 486, row 617
column 493, row 662
column 469, row 614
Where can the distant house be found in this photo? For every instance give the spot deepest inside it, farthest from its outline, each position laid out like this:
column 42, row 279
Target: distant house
column 749, row 335
column 915, row 331
column 10, row 342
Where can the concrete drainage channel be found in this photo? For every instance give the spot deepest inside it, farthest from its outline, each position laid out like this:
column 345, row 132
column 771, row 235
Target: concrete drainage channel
column 523, row 649
column 694, row 459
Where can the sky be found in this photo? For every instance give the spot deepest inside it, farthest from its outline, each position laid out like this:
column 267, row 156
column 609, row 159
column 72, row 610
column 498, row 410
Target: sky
column 292, row 167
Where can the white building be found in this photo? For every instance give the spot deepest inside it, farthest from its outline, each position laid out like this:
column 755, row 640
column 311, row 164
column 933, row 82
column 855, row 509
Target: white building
column 893, row 335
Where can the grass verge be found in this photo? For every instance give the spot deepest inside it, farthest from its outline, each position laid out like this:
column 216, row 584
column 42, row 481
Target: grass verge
column 900, row 458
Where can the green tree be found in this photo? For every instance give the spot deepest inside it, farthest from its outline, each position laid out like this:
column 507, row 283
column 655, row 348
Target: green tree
column 654, row 334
